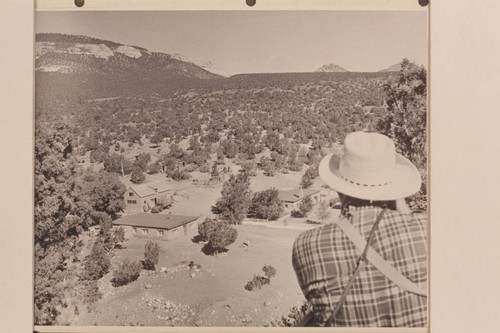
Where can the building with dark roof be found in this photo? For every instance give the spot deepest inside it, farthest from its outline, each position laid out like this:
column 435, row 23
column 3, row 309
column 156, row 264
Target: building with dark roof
column 157, row 225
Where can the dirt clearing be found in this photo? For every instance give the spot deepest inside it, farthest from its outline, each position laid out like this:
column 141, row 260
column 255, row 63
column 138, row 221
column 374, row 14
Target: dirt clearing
column 213, row 293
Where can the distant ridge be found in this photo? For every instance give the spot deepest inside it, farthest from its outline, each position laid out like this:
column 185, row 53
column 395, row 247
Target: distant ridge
column 393, row 68
column 77, row 55
column 331, row 68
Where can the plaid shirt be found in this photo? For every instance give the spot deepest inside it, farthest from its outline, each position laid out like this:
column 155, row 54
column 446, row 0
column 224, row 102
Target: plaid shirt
column 324, row 259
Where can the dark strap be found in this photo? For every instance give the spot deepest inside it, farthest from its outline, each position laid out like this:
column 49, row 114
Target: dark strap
column 360, row 262
column 379, row 262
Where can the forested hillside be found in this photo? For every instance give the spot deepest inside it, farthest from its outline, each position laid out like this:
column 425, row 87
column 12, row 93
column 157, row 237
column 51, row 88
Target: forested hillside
column 312, row 109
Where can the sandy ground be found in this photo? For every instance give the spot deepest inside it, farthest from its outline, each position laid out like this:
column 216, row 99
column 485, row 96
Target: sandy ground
column 214, row 295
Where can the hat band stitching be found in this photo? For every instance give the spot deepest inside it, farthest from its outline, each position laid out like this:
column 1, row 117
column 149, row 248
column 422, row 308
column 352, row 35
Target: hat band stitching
column 359, row 184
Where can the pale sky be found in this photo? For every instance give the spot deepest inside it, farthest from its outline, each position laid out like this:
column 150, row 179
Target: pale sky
column 259, row 41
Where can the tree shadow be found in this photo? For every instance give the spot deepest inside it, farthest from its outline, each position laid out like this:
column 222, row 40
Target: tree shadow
column 197, row 239
column 312, row 222
column 208, row 250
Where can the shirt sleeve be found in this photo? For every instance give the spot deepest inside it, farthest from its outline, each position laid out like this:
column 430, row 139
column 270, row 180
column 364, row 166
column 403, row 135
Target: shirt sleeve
column 298, row 259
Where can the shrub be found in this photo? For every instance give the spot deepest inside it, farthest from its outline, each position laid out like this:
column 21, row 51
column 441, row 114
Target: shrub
column 154, row 168
column 219, row 234
column 266, row 205
column 179, row 175
column 256, row 283
column 306, row 205
column 137, row 177
column 205, row 168
column 249, row 167
column 207, row 227
column 296, row 315
column 223, row 236
column 126, row 273
column 269, row 271
column 151, row 255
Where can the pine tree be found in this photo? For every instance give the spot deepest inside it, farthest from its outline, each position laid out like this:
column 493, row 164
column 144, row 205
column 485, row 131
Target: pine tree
column 309, row 176
column 235, row 199
column 305, row 205
column 97, row 263
column 406, row 120
column 151, row 255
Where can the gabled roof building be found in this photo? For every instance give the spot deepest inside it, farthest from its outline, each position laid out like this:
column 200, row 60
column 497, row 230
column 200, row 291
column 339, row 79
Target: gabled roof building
column 143, row 197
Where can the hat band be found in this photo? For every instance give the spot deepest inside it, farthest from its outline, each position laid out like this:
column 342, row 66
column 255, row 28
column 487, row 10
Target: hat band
column 367, row 185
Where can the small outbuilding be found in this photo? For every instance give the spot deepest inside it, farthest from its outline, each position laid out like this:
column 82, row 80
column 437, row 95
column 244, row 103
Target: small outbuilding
column 292, row 198
column 84, row 159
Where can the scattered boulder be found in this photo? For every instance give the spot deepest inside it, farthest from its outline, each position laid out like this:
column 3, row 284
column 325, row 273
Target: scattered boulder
column 163, row 269
column 247, row 320
column 148, row 286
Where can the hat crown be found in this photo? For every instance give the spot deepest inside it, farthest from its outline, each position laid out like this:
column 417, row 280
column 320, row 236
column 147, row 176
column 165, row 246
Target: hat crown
column 369, row 159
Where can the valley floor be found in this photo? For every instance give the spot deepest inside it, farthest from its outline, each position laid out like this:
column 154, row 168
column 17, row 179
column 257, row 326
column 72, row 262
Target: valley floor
column 214, row 294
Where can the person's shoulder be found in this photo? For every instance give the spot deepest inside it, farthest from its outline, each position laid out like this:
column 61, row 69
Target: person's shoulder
column 415, row 222
column 415, row 216
column 306, row 238
column 418, row 218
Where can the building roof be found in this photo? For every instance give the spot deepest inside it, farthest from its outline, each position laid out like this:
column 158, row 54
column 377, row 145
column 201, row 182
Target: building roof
column 310, row 191
column 157, row 221
column 295, row 195
column 161, row 186
column 289, row 195
column 144, row 190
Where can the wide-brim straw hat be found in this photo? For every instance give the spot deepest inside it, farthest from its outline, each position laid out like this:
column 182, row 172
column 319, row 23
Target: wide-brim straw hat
column 370, row 169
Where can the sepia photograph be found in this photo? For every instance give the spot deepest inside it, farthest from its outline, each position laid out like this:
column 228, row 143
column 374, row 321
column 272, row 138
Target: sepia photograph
column 224, row 168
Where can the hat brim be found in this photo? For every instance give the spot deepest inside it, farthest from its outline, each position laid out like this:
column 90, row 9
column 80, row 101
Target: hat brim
column 406, row 181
